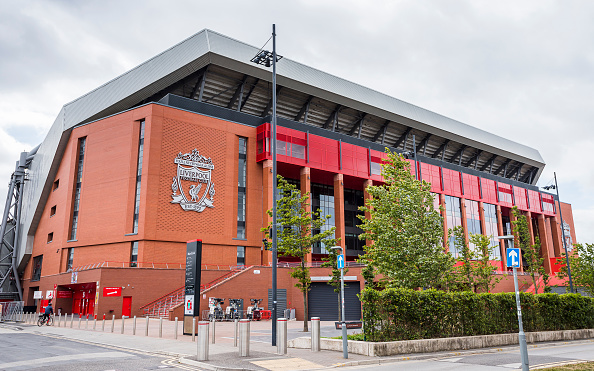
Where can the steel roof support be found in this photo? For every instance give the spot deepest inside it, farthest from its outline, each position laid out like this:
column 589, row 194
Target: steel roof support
column 358, row 125
column 249, row 94
column 269, row 105
column 382, row 132
column 474, row 158
column 423, row 144
column 238, row 94
column 332, row 118
column 488, row 163
column 502, row 167
column 304, row 110
column 402, row 138
column 441, row 148
column 459, row 152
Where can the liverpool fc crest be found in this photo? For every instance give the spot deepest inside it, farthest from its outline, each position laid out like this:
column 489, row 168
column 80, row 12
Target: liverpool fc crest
column 193, row 181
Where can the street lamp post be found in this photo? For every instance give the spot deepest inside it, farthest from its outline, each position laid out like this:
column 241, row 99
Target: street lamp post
column 556, row 187
column 345, row 348
column 512, row 255
column 264, row 57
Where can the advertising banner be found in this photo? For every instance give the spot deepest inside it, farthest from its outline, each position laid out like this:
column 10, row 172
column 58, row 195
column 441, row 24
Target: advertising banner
column 112, row 291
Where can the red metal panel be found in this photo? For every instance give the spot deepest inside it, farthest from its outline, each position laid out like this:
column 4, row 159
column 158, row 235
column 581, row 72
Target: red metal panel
column 548, row 204
column 430, row 173
column 451, row 183
column 520, row 198
column 323, row 153
column 489, row 191
column 534, row 198
column 471, row 187
column 354, row 160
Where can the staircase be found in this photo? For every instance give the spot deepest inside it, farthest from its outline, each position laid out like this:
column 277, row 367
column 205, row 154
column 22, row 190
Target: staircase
column 160, row 307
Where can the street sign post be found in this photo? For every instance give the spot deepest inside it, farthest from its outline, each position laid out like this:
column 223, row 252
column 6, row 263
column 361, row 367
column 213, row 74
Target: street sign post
column 513, row 260
column 340, row 261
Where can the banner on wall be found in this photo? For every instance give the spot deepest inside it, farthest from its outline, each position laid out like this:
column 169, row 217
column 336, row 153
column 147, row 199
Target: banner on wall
column 112, row 291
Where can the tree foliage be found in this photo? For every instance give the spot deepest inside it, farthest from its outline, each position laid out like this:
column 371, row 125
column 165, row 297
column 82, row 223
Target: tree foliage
column 530, row 252
column 406, row 230
column 331, row 261
column 295, row 237
column 581, row 262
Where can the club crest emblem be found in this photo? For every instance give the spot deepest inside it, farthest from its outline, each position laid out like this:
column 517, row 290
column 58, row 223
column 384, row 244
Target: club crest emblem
column 193, row 181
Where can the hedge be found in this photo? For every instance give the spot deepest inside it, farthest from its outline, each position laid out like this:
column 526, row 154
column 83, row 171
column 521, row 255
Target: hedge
column 403, row 314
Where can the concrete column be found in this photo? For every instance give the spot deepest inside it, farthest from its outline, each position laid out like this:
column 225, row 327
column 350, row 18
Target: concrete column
column 315, row 334
column 244, row 337
column 556, row 235
column 367, row 196
column 202, row 343
column 305, row 182
column 339, row 208
column 281, row 336
column 544, row 243
column 500, row 232
column 266, row 203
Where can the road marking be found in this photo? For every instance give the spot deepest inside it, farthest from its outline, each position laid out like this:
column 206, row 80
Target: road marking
column 555, row 364
column 512, row 365
column 287, row 364
column 450, row 359
column 64, row 358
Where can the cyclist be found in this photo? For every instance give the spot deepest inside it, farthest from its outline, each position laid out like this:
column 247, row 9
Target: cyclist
column 48, row 312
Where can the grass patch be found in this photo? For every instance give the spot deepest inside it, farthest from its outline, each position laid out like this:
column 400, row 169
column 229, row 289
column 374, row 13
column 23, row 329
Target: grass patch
column 575, row 367
column 356, row 337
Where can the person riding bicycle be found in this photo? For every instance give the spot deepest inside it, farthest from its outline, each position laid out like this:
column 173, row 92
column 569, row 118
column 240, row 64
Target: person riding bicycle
column 48, row 312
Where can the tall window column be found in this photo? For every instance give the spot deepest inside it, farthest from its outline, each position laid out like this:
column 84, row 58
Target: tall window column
column 77, row 188
column 339, row 208
column 366, row 197
column 305, row 183
column 544, row 243
column 138, row 177
column 241, row 188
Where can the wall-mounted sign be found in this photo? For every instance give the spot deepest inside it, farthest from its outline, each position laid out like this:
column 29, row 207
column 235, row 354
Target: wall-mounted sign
column 64, row 294
column 112, row 291
column 74, row 277
column 49, row 294
column 193, row 181
column 38, row 295
column 189, row 305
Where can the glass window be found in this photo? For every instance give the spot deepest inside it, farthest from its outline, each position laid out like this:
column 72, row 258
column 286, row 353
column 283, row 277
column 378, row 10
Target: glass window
column 473, row 219
column 376, row 169
column 491, row 229
column 298, row 151
column 138, row 177
column 70, row 258
column 240, row 255
column 79, row 172
column 453, row 219
column 241, row 187
column 134, row 255
column 37, row 263
column 322, row 198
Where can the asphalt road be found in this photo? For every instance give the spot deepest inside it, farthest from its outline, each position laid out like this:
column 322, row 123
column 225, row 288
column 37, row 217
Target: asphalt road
column 25, row 351
column 541, row 356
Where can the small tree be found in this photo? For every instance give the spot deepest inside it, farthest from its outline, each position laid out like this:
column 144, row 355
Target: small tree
column 530, row 252
column 295, row 237
column 405, row 229
column 474, row 271
column 581, row 262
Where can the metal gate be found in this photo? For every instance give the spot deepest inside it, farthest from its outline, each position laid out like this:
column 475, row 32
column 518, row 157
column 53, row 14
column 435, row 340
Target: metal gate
column 12, row 311
column 323, row 301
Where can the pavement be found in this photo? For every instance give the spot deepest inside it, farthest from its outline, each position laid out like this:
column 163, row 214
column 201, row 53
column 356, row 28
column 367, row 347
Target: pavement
column 223, row 355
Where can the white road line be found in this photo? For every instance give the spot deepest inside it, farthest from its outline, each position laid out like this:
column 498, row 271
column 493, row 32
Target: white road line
column 70, row 357
column 450, row 359
column 512, row 365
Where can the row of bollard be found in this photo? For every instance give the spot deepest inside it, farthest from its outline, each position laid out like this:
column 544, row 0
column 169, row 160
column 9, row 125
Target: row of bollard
column 32, row 318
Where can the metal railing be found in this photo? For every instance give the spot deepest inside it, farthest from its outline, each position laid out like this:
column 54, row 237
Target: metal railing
column 153, row 265
column 12, row 311
column 315, row 264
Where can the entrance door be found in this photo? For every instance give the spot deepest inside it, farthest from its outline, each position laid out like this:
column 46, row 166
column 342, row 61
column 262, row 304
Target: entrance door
column 127, row 306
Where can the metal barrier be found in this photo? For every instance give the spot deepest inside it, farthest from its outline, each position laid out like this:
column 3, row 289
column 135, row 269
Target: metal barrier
column 12, row 311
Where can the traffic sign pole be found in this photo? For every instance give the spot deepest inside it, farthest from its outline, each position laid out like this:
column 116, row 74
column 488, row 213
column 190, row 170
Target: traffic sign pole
column 521, row 335
column 345, row 350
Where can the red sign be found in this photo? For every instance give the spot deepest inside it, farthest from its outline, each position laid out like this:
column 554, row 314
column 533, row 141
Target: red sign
column 112, row 291
column 64, row 294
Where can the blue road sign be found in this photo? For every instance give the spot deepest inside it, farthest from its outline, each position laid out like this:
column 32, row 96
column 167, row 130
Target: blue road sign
column 340, row 261
column 513, row 257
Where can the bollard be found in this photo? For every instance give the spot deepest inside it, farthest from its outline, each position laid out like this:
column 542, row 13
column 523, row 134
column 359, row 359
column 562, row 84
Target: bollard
column 87, row 323
column 94, row 323
column 281, row 336
column 71, row 320
column 54, row 317
column 193, row 328
column 65, row 315
column 160, row 327
column 147, row 323
column 202, row 343
column 79, row 320
column 244, row 337
column 315, row 334
column 134, row 326
column 122, row 329
column 103, row 324
column 175, row 332
column 212, row 326
column 112, row 322
column 236, row 324
column 59, row 319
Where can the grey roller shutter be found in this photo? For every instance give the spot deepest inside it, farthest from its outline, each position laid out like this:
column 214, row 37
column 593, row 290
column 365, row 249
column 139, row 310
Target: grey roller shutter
column 281, row 301
column 323, row 301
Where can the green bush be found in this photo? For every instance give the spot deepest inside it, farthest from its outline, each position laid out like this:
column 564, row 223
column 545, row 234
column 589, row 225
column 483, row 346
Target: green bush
column 404, row 314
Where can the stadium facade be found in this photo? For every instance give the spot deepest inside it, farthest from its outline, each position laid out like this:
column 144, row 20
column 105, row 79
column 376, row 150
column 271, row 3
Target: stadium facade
column 178, row 148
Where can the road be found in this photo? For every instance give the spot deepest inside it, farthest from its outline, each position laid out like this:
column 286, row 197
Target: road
column 540, row 356
column 27, row 351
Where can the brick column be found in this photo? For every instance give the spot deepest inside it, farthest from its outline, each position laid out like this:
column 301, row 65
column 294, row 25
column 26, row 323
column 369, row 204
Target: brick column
column 367, row 196
column 339, row 208
column 305, row 182
column 544, row 243
column 528, row 216
column 266, row 204
column 501, row 242
column 482, row 218
column 556, row 234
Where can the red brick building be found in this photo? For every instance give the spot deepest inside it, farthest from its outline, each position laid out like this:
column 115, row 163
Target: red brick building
column 178, row 149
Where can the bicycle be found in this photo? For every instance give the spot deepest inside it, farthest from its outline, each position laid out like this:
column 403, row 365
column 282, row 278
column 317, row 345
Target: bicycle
column 42, row 321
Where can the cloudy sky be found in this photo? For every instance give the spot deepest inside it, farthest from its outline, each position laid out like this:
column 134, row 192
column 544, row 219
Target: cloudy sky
column 520, row 69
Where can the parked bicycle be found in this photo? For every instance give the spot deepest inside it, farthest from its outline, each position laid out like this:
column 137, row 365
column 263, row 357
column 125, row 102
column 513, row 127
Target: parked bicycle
column 43, row 320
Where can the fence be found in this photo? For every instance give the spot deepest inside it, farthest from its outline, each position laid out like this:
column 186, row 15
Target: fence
column 12, row 311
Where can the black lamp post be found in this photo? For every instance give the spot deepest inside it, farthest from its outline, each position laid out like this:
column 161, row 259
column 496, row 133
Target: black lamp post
column 266, row 58
column 556, row 187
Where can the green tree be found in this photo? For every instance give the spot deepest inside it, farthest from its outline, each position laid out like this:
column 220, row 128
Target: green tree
column 406, row 230
column 474, row 271
column 295, row 237
column 530, row 252
column 581, row 262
